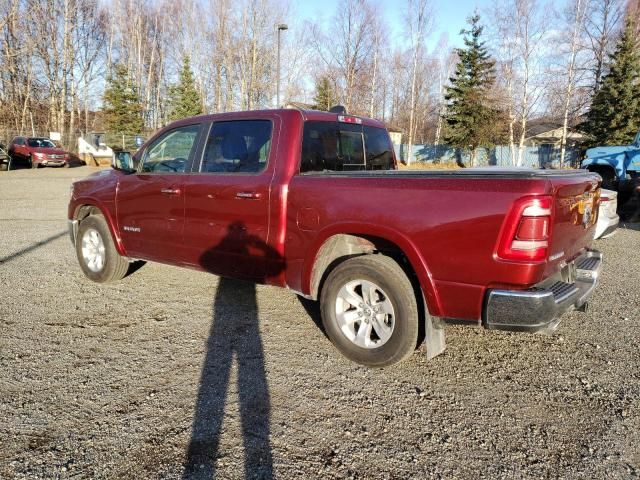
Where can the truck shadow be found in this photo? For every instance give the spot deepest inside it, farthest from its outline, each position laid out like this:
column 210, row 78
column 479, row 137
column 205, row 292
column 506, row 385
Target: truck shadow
column 313, row 310
column 234, row 335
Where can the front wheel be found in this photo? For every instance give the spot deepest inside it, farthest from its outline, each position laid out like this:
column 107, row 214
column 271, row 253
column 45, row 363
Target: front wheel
column 96, row 252
column 369, row 311
column 31, row 163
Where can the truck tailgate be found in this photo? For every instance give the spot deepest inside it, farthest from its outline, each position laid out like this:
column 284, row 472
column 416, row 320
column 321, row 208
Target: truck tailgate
column 577, row 199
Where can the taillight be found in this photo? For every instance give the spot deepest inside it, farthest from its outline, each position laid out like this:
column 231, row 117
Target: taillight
column 526, row 231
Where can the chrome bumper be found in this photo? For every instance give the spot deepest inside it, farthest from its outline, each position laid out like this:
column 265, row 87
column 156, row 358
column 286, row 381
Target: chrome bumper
column 73, row 231
column 540, row 307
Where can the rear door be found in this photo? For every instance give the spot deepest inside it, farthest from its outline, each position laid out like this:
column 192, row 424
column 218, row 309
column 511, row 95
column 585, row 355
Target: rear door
column 227, row 203
column 150, row 203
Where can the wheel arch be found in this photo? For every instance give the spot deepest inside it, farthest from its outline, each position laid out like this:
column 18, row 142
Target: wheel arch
column 87, row 208
column 339, row 243
column 608, row 172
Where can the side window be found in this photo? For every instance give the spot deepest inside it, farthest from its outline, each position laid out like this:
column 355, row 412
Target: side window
column 18, row 141
column 237, row 146
column 337, row 147
column 170, row 153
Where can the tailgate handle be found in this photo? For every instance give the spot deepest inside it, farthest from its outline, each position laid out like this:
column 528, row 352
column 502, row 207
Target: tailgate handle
column 170, row 191
column 249, row 195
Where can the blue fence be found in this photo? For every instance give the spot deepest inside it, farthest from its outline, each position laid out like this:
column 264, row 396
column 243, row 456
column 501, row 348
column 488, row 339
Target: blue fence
column 536, row 157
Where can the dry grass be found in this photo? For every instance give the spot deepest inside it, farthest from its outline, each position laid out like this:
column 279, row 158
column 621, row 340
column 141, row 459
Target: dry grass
column 429, row 166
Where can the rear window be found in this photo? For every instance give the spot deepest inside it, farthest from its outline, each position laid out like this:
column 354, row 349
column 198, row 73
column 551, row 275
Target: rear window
column 340, row 147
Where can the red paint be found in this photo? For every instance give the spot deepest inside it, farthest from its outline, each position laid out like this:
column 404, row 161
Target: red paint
column 23, row 148
column 456, row 229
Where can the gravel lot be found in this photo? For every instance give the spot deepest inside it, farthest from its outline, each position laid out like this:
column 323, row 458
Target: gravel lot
column 178, row 374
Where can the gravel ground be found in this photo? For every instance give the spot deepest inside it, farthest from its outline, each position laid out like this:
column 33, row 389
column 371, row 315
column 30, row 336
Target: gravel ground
column 172, row 368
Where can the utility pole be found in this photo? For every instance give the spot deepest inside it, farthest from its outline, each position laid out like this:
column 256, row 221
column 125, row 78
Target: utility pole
column 280, row 27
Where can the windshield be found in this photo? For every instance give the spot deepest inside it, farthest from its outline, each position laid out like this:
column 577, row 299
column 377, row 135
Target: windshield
column 41, row 142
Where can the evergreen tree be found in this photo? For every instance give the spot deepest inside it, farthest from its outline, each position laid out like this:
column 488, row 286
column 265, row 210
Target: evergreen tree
column 471, row 121
column 614, row 116
column 184, row 99
column 324, row 98
column 122, row 107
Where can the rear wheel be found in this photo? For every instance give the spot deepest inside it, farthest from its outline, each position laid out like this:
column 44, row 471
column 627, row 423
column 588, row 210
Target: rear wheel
column 369, row 311
column 96, row 252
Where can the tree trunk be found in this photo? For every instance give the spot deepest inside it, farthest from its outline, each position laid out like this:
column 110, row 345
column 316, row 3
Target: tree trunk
column 571, row 74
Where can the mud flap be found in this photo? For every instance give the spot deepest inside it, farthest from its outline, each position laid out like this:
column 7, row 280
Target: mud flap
column 434, row 339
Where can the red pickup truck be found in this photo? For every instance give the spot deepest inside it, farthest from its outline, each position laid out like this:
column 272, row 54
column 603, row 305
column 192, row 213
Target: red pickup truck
column 312, row 201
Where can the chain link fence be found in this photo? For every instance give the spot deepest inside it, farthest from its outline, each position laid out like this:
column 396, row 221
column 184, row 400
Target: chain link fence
column 539, row 156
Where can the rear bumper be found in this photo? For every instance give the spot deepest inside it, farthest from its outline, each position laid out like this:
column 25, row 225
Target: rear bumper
column 608, row 229
column 540, row 307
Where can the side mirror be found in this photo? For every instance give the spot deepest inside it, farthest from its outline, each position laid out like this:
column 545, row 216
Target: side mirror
column 123, row 161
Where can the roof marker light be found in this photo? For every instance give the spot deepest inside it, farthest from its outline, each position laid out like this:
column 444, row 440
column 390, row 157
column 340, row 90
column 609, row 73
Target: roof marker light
column 349, row 119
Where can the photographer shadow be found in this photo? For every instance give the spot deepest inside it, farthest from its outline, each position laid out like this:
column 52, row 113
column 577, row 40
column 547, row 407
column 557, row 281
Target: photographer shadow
column 234, row 335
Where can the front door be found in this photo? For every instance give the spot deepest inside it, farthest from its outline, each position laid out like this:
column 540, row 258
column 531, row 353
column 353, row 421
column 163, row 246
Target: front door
column 150, row 203
column 227, row 203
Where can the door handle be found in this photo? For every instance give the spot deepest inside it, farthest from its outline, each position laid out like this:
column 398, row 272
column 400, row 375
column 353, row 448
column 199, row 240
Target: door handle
column 249, row 195
column 170, row 191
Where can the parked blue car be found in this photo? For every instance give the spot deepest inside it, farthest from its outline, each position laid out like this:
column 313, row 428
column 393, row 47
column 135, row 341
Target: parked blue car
column 615, row 164
column 619, row 167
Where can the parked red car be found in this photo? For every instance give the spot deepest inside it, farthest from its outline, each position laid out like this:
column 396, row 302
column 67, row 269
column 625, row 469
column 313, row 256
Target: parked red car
column 312, row 201
column 37, row 151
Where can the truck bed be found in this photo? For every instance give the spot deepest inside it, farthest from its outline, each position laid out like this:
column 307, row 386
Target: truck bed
column 449, row 221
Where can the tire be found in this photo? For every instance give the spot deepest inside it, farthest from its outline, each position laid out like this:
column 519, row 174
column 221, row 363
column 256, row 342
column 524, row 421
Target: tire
column 96, row 252
column 31, row 163
column 4, row 166
column 389, row 336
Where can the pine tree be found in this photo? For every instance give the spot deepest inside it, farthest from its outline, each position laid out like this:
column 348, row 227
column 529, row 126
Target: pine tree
column 122, row 107
column 614, row 116
column 471, row 121
column 184, row 99
column 324, row 98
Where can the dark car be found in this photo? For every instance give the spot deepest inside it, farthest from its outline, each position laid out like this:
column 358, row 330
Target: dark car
column 37, row 151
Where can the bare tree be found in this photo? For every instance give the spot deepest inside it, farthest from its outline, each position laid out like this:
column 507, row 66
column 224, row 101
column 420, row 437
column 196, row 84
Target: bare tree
column 346, row 48
column 602, row 26
column 524, row 28
column 446, row 61
column 417, row 19
column 576, row 12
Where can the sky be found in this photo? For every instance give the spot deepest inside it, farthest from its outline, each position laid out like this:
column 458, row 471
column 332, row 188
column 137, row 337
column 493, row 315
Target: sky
column 449, row 16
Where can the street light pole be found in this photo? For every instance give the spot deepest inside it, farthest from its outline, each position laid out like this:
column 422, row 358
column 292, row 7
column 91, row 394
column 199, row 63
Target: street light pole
column 280, row 26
